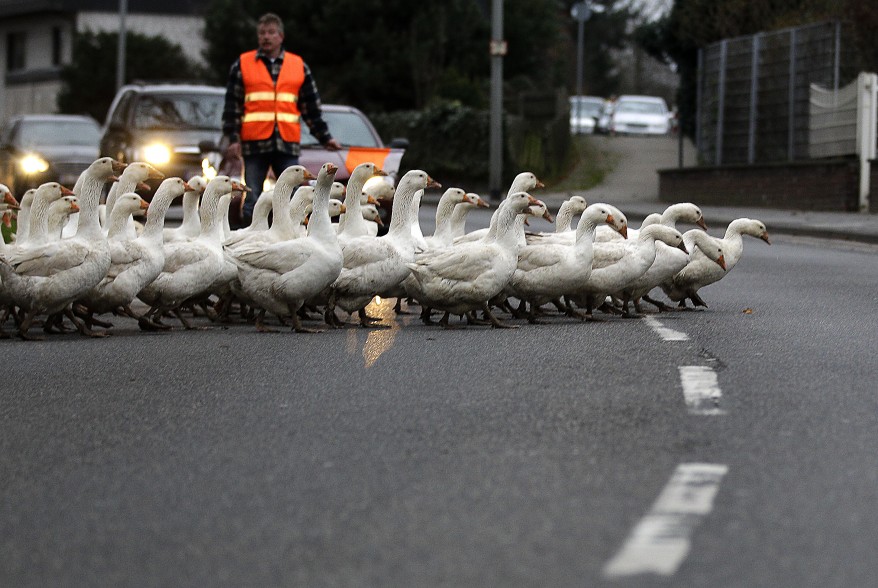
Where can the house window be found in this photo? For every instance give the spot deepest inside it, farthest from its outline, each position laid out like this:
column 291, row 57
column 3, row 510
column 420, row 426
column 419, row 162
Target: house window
column 15, row 42
column 57, row 48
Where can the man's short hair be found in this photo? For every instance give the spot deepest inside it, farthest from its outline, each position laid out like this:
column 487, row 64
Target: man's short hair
column 271, row 18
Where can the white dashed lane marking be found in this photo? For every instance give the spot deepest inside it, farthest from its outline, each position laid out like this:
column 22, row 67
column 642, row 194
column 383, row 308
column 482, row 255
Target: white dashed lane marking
column 701, row 390
column 664, row 332
column 659, row 543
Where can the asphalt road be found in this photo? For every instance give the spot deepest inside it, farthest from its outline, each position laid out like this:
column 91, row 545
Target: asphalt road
column 565, row 454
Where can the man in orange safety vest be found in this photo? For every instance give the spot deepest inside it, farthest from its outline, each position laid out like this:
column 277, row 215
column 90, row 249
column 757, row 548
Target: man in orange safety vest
column 269, row 93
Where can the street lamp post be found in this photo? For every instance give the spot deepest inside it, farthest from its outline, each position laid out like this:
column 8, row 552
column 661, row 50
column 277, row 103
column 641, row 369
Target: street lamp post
column 581, row 12
column 498, row 50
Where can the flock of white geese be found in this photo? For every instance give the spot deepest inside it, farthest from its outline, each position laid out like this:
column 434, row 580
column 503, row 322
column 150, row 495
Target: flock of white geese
column 74, row 257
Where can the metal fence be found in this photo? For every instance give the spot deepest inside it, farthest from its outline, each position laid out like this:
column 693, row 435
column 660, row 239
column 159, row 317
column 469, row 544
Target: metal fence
column 754, row 93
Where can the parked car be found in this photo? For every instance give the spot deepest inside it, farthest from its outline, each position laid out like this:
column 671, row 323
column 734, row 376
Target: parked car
column 360, row 142
column 170, row 126
column 38, row 148
column 602, row 126
column 178, row 128
column 640, row 115
column 584, row 113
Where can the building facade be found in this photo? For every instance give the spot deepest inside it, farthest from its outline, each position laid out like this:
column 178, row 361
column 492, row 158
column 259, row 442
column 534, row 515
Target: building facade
column 36, row 40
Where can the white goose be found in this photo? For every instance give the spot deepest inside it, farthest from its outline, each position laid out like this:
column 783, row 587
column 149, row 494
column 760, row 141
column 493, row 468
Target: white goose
column 700, row 272
column 465, row 277
column 54, row 275
column 523, row 182
column 35, row 226
column 570, row 208
column 135, row 262
column 280, row 277
column 352, row 224
column 618, row 264
column 669, row 261
column 548, row 271
column 442, row 233
column 377, row 264
column 372, row 218
column 190, row 228
column 59, row 214
column 22, row 226
column 192, row 268
column 282, row 227
column 131, row 179
column 457, row 222
column 682, row 212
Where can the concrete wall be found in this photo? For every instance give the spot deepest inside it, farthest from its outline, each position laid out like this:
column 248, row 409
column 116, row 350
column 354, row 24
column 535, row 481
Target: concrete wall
column 830, row 185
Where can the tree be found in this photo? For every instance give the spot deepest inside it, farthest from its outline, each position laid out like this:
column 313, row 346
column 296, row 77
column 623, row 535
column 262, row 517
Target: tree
column 385, row 55
column 90, row 78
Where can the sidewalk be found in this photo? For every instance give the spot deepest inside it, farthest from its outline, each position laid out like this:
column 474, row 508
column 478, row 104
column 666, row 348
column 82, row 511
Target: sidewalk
column 633, row 188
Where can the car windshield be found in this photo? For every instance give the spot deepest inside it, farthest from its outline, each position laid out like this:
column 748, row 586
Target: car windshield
column 346, row 127
column 585, row 107
column 66, row 132
column 179, row 111
column 639, row 107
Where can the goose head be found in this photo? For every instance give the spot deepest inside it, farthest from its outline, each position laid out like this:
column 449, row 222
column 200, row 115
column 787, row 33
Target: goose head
column 131, row 204
column 525, row 182
column 477, row 200
column 366, row 198
column 140, row 171
column 684, row 212
column 667, row 235
column 600, row 213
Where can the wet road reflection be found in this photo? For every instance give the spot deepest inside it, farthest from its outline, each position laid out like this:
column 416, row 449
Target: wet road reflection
column 379, row 340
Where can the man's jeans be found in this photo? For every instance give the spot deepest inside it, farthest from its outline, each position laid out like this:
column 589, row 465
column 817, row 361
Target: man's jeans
column 255, row 169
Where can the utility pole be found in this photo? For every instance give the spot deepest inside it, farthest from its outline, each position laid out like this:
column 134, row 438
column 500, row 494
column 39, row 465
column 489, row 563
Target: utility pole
column 120, row 52
column 498, row 50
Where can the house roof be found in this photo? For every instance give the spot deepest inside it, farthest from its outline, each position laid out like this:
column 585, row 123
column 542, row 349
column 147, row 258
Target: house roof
column 10, row 8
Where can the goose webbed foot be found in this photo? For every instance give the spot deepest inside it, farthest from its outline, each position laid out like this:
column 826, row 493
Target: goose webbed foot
column 696, row 299
column 397, row 308
column 260, row 323
column 662, row 307
column 186, row 324
column 443, row 322
column 496, row 324
column 370, row 322
column 426, row 318
column 82, row 327
column 472, row 319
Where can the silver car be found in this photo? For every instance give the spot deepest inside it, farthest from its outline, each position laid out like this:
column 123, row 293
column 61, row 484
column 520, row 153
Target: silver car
column 640, row 115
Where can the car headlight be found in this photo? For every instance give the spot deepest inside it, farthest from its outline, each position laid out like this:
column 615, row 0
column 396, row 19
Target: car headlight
column 33, row 164
column 156, row 154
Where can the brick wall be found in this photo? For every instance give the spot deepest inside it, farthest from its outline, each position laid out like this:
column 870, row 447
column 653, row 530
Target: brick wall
column 813, row 185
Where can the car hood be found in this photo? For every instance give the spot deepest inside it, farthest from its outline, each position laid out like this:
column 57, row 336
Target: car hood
column 67, row 153
column 181, row 141
column 346, row 159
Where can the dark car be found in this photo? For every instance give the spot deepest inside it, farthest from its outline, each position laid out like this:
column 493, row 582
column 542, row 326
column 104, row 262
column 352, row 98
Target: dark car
column 166, row 125
column 38, row 148
column 178, row 127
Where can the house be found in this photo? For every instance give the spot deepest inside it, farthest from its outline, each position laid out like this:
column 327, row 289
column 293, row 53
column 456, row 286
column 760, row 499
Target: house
column 36, row 40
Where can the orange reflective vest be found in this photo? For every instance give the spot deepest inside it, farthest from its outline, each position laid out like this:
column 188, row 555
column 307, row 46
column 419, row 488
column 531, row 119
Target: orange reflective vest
column 267, row 104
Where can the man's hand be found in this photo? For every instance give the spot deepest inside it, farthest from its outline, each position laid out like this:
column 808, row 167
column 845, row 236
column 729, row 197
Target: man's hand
column 233, row 150
column 332, row 145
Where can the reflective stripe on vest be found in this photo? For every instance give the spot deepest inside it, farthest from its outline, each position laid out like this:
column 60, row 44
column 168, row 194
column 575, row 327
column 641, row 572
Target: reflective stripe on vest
column 267, row 104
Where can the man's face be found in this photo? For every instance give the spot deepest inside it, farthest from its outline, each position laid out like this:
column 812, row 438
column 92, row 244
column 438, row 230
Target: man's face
column 270, row 39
